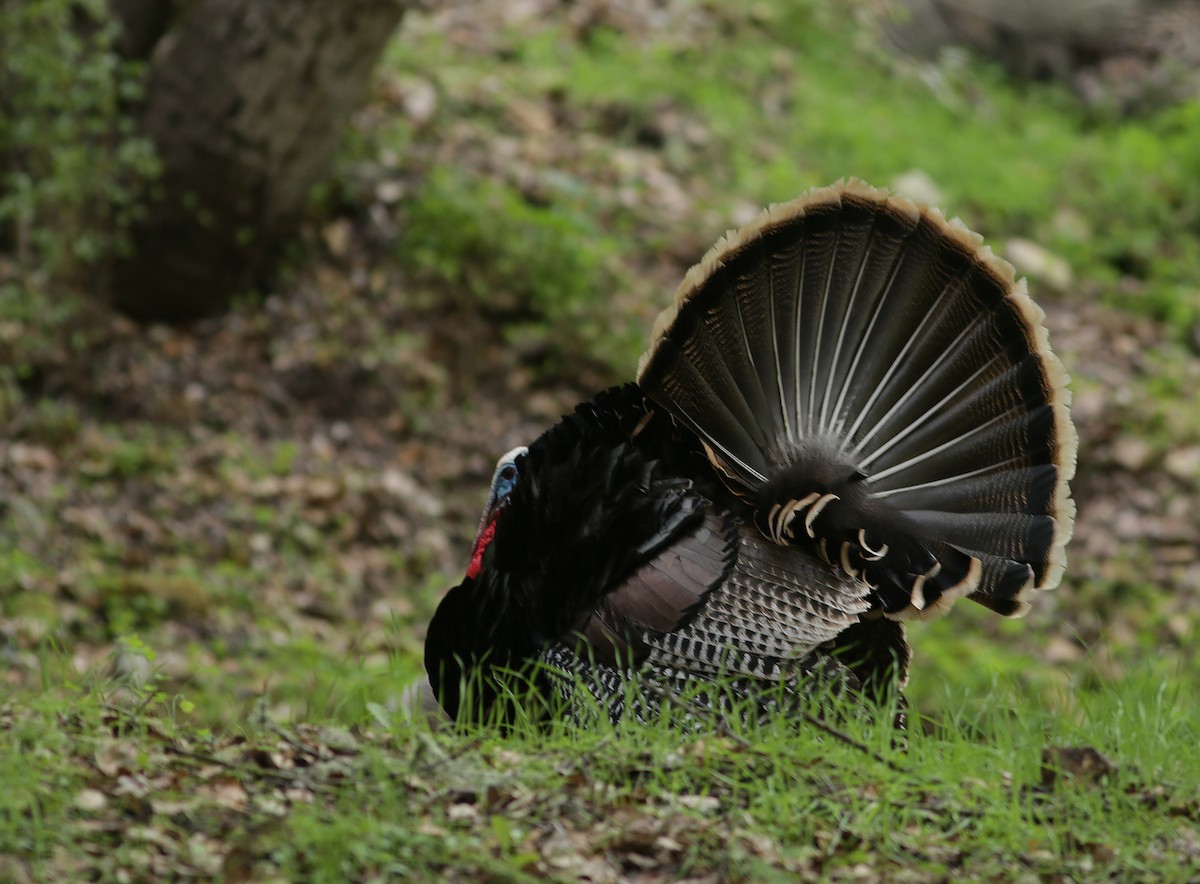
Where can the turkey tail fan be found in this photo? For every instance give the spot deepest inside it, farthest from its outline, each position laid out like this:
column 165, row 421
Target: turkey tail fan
column 866, row 373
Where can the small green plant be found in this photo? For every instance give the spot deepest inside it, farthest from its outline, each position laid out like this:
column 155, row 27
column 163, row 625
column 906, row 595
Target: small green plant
column 72, row 161
column 541, row 269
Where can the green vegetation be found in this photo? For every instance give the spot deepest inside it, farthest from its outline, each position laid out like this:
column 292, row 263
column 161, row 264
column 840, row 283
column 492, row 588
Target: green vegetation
column 791, row 97
column 1014, row 788
column 541, row 270
column 219, row 544
column 72, row 166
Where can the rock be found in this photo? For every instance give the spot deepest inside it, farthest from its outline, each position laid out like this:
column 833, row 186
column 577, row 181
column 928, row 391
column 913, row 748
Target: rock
column 417, row 701
column 337, row 237
column 916, row 185
column 1184, row 463
column 403, row 487
column 419, row 100
column 1039, row 263
column 1132, row 453
column 91, row 800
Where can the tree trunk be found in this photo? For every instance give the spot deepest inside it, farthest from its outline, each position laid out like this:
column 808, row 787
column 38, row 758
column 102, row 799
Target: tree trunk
column 246, row 101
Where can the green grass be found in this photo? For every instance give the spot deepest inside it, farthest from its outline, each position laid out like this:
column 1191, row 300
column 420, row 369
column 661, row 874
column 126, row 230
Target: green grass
column 346, row 797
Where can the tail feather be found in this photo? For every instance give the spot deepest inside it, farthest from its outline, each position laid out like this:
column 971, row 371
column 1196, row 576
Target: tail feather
column 971, row 363
column 879, row 274
column 1004, row 488
column 840, row 244
column 996, row 439
column 732, row 330
column 948, row 346
column 1020, row 537
column 1005, row 586
column 923, row 301
column 760, row 370
column 733, row 430
column 853, row 359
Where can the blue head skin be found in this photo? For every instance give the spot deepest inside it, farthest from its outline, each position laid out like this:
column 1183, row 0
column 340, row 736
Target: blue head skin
column 504, row 480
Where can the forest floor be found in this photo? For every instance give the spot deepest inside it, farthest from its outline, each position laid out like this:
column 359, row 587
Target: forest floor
column 222, row 540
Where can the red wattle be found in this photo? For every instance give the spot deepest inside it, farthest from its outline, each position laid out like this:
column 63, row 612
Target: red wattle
column 481, row 544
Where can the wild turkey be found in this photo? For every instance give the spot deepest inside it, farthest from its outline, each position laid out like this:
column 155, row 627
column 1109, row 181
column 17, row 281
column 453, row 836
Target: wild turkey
column 849, row 417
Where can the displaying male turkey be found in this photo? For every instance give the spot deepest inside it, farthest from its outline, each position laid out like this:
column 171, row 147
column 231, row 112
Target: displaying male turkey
column 849, row 417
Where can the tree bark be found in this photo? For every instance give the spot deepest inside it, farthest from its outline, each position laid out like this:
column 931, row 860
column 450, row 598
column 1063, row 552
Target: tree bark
column 246, row 101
